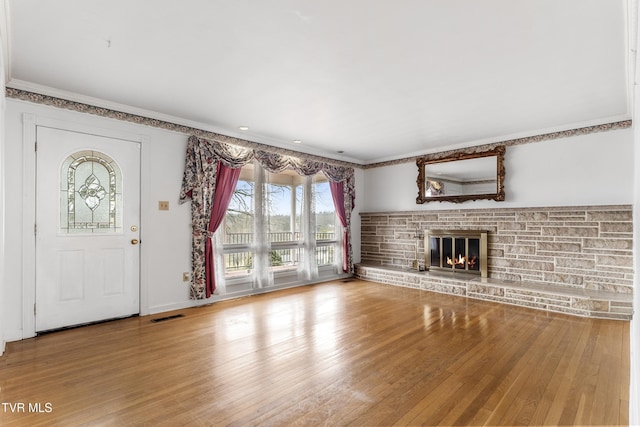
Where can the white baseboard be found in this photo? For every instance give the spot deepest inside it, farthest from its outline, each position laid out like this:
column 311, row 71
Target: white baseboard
column 216, row 298
column 15, row 335
column 177, row 306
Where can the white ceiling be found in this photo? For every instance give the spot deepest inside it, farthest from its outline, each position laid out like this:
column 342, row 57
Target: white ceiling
column 377, row 79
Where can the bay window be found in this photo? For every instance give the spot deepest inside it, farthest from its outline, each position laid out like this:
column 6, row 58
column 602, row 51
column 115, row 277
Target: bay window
column 280, row 228
column 262, row 219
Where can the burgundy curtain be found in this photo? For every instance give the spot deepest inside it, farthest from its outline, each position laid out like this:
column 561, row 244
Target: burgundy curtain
column 226, row 180
column 337, row 192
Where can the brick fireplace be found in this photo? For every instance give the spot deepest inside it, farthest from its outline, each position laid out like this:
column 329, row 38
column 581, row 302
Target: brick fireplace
column 576, row 260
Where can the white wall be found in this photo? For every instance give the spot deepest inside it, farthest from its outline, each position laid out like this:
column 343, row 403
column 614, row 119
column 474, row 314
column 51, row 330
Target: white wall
column 2, row 178
column 355, row 216
column 165, row 235
column 595, row 169
column 634, row 381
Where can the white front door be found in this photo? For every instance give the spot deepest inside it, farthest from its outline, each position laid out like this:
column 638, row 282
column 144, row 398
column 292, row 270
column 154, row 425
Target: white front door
column 87, row 228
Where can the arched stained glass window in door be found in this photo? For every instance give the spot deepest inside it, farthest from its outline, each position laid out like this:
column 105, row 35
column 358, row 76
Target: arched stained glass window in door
column 90, row 194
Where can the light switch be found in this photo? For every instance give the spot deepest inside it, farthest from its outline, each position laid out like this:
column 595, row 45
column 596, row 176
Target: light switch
column 163, row 205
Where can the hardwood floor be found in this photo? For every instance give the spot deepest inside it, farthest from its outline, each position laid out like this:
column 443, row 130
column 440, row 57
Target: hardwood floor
column 337, row 353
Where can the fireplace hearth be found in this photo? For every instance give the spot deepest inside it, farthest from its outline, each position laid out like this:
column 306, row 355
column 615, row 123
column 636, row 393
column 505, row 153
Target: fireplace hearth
column 463, row 251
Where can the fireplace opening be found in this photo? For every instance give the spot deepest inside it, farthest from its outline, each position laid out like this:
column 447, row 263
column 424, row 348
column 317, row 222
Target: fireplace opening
column 457, row 251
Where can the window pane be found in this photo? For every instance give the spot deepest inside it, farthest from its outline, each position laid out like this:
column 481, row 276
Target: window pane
column 90, row 194
column 285, row 258
column 325, row 255
column 325, row 213
column 284, row 206
column 238, row 226
column 238, row 222
column 235, row 263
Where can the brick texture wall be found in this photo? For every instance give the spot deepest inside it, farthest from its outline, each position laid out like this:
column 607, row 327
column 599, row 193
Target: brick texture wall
column 581, row 247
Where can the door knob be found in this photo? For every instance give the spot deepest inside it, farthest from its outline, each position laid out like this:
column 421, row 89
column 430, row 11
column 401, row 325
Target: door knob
column 134, row 241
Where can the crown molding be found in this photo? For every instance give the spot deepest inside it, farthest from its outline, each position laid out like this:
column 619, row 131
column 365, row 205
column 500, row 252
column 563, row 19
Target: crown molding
column 84, row 104
column 585, row 130
column 65, row 99
column 142, row 117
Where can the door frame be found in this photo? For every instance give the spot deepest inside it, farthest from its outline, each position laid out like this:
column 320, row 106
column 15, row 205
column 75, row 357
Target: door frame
column 30, row 122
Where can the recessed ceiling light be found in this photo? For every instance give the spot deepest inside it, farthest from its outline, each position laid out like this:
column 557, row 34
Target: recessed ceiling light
column 243, row 127
column 297, row 141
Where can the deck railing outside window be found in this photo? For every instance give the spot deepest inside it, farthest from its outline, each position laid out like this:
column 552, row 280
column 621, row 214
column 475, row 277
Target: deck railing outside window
column 287, row 257
column 284, row 236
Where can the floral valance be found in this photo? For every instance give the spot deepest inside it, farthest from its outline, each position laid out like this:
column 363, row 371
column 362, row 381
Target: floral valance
column 203, row 154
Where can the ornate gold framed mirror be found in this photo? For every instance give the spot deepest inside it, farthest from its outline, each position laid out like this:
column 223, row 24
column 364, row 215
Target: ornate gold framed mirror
column 461, row 176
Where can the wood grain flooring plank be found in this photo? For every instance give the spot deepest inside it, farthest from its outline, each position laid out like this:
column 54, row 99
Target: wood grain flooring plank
column 357, row 353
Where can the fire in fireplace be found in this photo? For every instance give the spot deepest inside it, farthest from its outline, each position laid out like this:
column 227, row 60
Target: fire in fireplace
column 456, row 250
